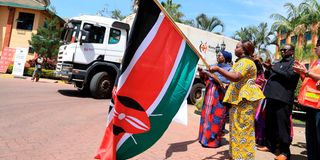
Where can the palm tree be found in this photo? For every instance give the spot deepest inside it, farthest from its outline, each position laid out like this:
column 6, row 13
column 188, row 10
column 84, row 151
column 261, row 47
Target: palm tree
column 287, row 24
column 189, row 22
column 246, row 33
column 263, row 35
column 116, row 14
column 259, row 35
column 135, row 4
column 208, row 24
column 173, row 10
column 311, row 17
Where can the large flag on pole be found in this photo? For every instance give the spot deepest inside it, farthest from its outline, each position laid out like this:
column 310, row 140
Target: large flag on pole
column 157, row 72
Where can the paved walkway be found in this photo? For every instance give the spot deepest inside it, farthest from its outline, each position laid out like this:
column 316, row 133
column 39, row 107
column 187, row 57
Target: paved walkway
column 180, row 143
column 46, row 120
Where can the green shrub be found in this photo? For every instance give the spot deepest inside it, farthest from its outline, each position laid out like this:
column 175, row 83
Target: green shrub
column 29, row 71
column 10, row 68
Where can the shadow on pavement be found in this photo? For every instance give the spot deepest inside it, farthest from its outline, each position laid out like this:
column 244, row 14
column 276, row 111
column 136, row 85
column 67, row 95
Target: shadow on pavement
column 299, row 125
column 300, row 145
column 74, row 93
column 219, row 155
column 298, row 157
column 178, row 147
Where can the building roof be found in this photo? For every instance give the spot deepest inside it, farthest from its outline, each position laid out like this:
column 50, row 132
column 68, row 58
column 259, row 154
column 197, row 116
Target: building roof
column 30, row 4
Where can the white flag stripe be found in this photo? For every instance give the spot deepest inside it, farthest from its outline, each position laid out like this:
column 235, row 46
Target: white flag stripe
column 138, row 121
column 135, row 125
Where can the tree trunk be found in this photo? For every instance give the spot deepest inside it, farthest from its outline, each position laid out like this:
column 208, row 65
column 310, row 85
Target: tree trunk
column 277, row 46
column 300, row 40
column 314, row 29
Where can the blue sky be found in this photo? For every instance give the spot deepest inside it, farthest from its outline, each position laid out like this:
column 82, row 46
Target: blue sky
column 234, row 13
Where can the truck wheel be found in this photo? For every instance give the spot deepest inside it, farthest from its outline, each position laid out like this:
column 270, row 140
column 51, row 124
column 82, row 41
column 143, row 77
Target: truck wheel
column 195, row 93
column 101, row 85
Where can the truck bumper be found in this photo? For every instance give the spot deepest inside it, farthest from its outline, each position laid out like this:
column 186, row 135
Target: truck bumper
column 64, row 71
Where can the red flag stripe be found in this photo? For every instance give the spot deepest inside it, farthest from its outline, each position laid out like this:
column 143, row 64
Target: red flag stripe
column 144, row 44
column 160, row 53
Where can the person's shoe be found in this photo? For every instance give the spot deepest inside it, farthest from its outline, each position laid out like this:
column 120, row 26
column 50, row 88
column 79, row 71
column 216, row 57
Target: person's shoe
column 281, row 157
column 263, row 148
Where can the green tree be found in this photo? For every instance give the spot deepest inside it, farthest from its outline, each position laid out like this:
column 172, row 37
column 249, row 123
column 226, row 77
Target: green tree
column 245, row 33
column 189, row 22
column 47, row 40
column 208, row 23
column 260, row 36
column 263, row 37
column 304, row 53
column 311, row 17
column 103, row 12
column 290, row 24
column 116, row 14
column 134, row 6
column 173, row 10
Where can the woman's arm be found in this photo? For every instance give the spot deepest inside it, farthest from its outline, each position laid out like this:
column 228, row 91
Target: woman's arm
column 232, row 76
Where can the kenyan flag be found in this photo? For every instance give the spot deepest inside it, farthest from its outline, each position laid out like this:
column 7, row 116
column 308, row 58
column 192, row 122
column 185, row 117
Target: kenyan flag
column 157, row 71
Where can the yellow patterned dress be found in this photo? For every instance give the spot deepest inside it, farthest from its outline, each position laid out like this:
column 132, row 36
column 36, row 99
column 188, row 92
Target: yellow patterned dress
column 243, row 96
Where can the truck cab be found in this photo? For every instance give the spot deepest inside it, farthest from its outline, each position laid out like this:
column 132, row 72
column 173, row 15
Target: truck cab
column 91, row 53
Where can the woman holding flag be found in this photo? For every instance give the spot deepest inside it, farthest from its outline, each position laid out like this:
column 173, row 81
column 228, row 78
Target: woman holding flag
column 243, row 95
column 213, row 113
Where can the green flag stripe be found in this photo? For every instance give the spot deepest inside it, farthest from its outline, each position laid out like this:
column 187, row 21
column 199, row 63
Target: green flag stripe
column 168, row 107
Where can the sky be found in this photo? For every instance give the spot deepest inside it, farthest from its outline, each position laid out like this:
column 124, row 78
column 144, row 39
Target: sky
column 233, row 13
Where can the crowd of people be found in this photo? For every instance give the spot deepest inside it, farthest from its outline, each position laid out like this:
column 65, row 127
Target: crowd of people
column 259, row 97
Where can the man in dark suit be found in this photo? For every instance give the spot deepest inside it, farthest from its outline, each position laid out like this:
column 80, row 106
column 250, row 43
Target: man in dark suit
column 279, row 91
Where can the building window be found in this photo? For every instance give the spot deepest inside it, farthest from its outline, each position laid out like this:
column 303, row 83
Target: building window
column 114, row 36
column 25, row 21
column 282, row 42
column 293, row 39
column 308, row 36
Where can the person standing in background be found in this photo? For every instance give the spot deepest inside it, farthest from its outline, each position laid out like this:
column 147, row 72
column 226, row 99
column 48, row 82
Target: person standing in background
column 279, row 91
column 309, row 96
column 260, row 114
column 37, row 68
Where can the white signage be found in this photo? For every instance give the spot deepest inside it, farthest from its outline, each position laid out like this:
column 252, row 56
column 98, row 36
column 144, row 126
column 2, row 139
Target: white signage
column 19, row 61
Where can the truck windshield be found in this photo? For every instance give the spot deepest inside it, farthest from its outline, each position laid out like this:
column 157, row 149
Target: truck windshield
column 71, row 31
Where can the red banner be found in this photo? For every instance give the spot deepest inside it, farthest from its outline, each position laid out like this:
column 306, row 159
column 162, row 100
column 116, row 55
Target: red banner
column 6, row 58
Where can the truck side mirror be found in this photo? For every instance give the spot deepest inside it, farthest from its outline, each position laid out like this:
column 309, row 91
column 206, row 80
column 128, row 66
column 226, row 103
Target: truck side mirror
column 84, row 36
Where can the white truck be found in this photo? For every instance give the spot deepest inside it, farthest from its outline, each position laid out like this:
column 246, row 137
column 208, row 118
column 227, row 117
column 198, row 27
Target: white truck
column 93, row 48
column 91, row 53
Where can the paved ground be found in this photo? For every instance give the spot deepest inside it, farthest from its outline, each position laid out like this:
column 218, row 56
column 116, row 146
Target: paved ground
column 53, row 121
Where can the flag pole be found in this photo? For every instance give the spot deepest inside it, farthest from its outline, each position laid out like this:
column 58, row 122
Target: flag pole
column 188, row 41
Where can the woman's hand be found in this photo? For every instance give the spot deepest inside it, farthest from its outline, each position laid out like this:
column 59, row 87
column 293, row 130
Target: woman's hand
column 214, row 69
column 267, row 65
